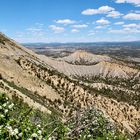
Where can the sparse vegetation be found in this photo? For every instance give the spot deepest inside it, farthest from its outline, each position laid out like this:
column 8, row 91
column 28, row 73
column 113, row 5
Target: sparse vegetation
column 120, row 95
column 70, row 100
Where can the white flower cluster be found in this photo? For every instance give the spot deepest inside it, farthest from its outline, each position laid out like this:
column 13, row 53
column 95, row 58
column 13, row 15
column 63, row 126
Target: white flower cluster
column 15, row 132
column 5, row 108
column 37, row 135
column 12, row 132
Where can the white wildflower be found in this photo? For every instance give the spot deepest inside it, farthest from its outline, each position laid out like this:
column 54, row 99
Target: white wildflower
column 16, row 131
column 20, row 134
column 1, row 126
column 39, row 132
column 11, row 106
column 34, row 135
column 4, row 105
column 89, row 136
column 52, row 138
column 0, row 107
column 40, row 137
column 2, row 116
column 39, row 125
column 9, row 127
column 5, row 111
column 12, row 133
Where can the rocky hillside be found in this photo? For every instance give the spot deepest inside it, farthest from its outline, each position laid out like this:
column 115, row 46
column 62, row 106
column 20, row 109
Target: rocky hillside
column 43, row 83
column 103, row 69
column 81, row 57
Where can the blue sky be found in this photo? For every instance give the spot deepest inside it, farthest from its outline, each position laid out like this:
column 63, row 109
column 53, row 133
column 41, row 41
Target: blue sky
column 70, row 20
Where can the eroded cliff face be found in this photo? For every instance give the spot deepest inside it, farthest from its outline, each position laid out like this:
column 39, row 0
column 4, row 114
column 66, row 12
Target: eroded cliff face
column 81, row 57
column 74, row 96
column 102, row 68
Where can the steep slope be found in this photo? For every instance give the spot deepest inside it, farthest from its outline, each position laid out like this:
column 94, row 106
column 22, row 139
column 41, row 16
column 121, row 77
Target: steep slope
column 84, row 58
column 13, row 74
column 37, row 81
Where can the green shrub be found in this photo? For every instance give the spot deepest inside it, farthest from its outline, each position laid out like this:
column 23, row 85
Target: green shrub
column 18, row 121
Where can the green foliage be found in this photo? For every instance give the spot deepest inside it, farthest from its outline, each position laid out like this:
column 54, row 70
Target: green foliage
column 91, row 125
column 18, row 121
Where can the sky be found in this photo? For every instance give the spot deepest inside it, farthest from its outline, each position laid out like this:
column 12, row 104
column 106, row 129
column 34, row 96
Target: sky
column 70, row 20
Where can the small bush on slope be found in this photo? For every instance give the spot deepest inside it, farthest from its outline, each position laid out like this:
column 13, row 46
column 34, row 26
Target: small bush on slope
column 18, row 121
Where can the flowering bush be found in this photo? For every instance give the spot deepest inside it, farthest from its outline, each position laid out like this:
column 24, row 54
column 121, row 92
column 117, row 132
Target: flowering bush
column 12, row 128
column 19, row 122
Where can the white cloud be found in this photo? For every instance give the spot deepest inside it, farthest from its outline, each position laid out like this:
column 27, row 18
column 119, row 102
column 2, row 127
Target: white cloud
column 74, row 31
column 105, row 9
column 57, row 29
column 36, row 30
column 114, row 14
column 99, row 27
column 137, row 11
column 102, row 21
column 124, row 31
column 39, row 24
column 100, row 10
column 80, row 26
column 90, row 12
column 32, row 29
column 35, row 33
column 116, row 31
column 31, row 39
column 119, row 23
column 65, row 21
column 132, row 16
column 135, row 2
column 133, row 25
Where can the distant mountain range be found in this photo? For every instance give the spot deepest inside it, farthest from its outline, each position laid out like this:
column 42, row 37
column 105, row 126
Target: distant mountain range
column 55, row 44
